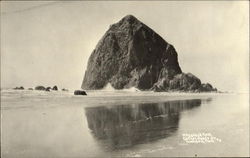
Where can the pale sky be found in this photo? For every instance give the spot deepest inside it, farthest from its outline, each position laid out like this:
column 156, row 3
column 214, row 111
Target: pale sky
column 48, row 43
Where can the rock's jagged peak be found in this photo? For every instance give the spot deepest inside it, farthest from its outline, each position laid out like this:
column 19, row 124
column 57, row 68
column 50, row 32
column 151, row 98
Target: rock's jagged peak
column 129, row 16
column 130, row 23
column 127, row 22
column 129, row 19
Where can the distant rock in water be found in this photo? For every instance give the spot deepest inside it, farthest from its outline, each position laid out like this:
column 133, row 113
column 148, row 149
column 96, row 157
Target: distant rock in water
column 65, row 89
column 19, row 88
column 40, row 88
column 30, row 88
column 55, row 88
column 79, row 92
column 48, row 89
column 207, row 87
column 130, row 54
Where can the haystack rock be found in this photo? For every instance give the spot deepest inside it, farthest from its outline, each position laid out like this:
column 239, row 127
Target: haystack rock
column 130, row 54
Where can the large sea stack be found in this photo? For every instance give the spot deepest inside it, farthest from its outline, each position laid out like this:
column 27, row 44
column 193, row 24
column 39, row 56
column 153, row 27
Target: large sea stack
column 130, row 54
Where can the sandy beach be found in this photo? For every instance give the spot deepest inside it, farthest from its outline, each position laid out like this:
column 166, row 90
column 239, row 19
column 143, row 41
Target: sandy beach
column 122, row 123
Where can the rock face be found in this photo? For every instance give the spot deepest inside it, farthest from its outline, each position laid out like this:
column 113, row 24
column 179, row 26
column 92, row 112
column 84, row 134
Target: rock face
column 130, row 54
column 182, row 82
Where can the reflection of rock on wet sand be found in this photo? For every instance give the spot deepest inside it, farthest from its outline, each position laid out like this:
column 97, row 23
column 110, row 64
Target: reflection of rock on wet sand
column 122, row 126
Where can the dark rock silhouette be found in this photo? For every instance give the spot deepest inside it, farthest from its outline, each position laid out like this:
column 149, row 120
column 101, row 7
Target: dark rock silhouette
column 65, row 89
column 40, row 88
column 207, row 87
column 182, row 82
column 19, row 88
column 79, row 92
column 130, row 54
column 48, row 89
column 55, row 88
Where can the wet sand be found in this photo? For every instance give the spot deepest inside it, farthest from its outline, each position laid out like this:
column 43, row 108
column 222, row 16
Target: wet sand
column 122, row 123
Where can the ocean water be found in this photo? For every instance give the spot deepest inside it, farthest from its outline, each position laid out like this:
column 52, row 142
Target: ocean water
column 126, row 123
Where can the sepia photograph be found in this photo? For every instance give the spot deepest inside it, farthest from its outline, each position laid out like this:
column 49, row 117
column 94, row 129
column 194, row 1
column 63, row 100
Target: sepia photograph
column 124, row 79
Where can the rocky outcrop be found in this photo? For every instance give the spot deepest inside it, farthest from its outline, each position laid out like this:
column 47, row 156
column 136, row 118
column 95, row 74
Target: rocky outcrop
column 206, row 87
column 182, row 82
column 48, row 89
column 55, row 88
column 40, row 88
column 79, row 92
column 19, row 88
column 64, row 89
column 130, row 54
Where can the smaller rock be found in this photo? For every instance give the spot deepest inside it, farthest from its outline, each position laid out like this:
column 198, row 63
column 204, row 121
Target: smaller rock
column 30, row 88
column 65, row 89
column 207, row 88
column 48, row 89
column 19, row 88
column 55, row 88
column 40, row 88
column 79, row 92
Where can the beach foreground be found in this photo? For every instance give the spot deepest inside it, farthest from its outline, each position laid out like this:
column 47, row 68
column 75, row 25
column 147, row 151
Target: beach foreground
column 123, row 123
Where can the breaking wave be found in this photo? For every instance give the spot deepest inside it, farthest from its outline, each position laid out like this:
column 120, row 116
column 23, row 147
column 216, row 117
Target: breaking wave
column 109, row 87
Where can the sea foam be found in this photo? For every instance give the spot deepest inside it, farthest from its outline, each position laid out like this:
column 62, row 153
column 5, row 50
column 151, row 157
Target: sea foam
column 109, row 87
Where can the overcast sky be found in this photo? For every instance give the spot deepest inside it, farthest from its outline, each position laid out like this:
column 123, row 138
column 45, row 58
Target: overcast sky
column 48, row 43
